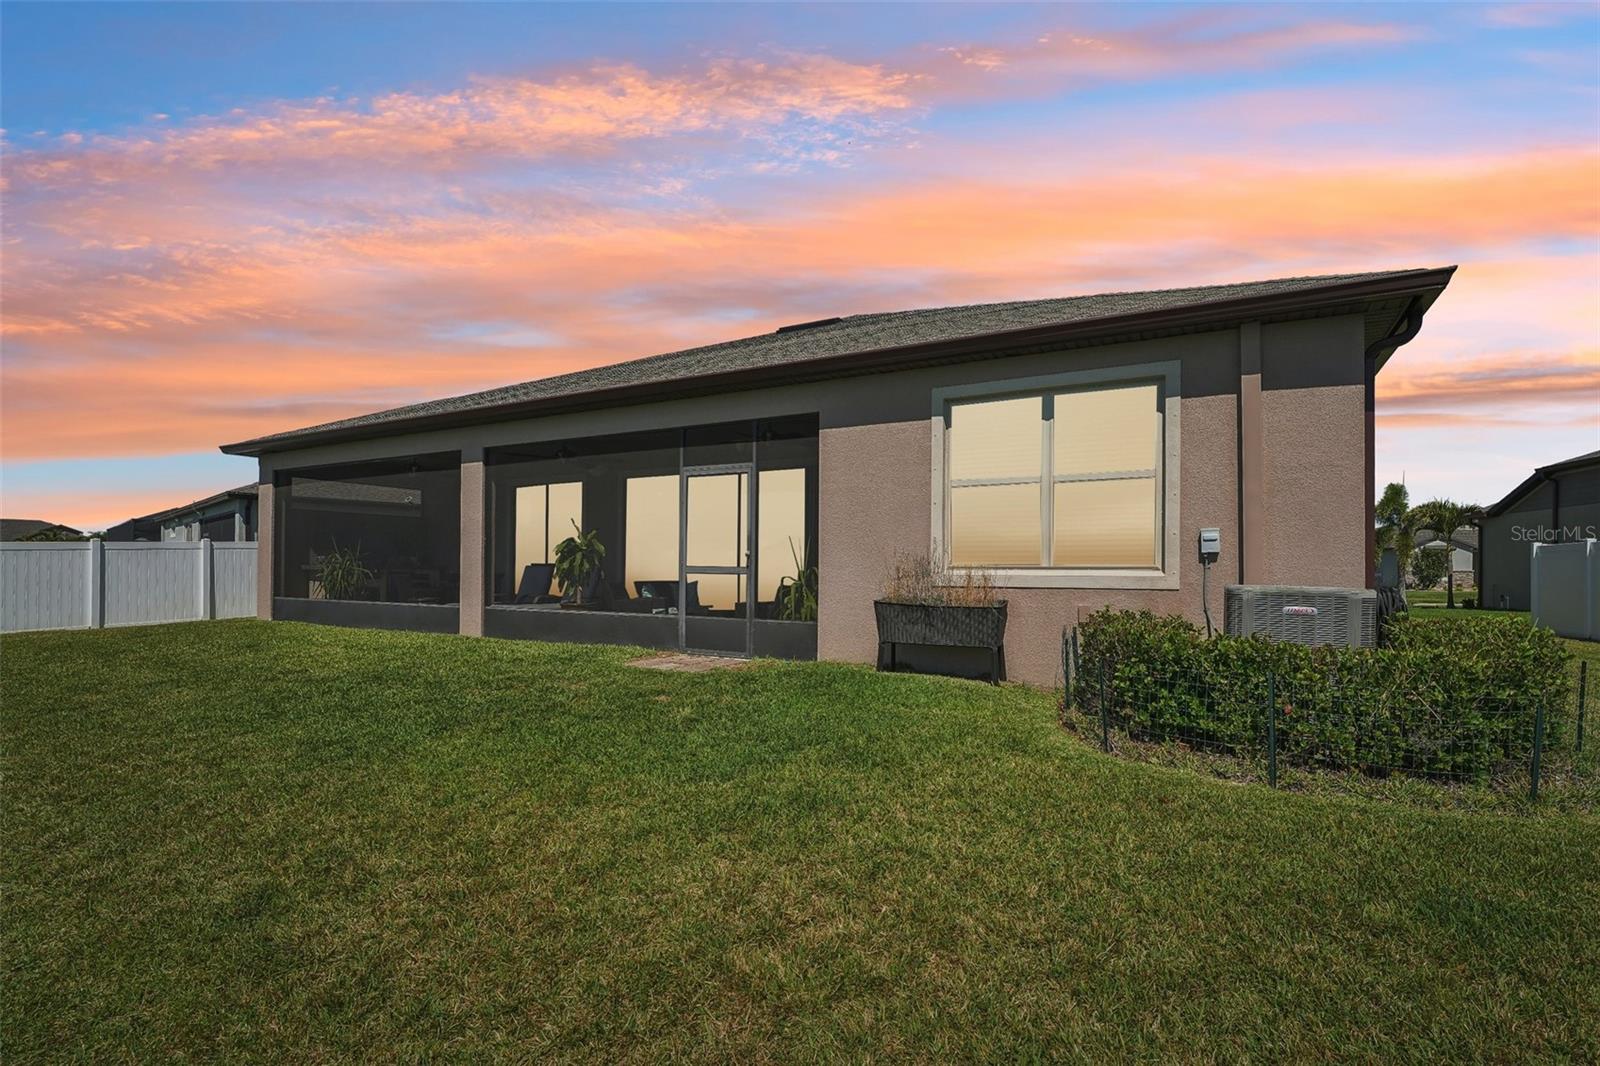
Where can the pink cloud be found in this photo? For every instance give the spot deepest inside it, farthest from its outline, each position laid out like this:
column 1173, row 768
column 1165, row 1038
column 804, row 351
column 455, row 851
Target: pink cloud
column 1195, row 42
column 1532, row 15
column 595, row 110
column 178, row 342
column 188, row 283
column 1507, row 381
column 492, row 117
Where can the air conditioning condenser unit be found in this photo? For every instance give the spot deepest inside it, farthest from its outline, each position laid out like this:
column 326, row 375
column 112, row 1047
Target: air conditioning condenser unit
column 1303, row 615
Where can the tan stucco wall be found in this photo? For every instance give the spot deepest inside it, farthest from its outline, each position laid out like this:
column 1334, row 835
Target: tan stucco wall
column 473, row 528
column 870, row 511
column 266, row 544
column 876, row 502
column 1314, row 454
column 876, row 472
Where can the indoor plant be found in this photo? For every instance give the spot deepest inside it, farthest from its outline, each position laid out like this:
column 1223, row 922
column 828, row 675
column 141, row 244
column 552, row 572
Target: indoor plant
column 578, row 559
column 923, row 603
column 797, row 594
column 341, row 573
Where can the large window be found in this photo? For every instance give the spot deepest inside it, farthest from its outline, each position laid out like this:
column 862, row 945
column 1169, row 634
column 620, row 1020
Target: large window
column 380, row 532
column 1061, row 478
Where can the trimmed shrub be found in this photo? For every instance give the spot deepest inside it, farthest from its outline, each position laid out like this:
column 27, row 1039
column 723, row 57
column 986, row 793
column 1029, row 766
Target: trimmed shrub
column 1451, row 697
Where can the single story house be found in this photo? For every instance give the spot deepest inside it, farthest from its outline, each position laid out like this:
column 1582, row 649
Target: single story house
column 1071, row 448
column 1463, row 545
column 1556, row 503
column 12, row 529
column 229, row 515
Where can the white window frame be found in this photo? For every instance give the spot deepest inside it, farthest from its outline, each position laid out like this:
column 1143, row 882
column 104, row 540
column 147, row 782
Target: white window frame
column 1165, row 575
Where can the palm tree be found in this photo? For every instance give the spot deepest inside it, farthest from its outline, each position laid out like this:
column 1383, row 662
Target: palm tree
column 1396, row 527
column 1444, row 517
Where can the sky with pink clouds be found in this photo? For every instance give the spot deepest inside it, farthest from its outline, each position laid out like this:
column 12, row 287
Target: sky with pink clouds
column 220, row 221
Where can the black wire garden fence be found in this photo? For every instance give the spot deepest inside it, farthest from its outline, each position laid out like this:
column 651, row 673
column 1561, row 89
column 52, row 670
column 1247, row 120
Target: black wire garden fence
column 1372, row 715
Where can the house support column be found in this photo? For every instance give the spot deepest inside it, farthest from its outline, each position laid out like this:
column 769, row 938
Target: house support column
column 473, row 511
column 266, row 542
column 1252, row 489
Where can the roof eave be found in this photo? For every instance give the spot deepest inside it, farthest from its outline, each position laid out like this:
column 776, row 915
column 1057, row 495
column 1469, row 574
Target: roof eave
column 1539, row 476
column 1426, row 283
column 196, row 505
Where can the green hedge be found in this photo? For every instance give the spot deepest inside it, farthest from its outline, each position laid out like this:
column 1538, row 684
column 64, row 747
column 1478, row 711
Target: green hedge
column 1445, row 697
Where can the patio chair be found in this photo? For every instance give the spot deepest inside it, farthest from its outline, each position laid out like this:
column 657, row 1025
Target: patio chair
column 535, row 584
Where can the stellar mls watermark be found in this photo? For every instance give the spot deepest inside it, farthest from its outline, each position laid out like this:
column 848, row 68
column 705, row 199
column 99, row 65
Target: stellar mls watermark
column 1554, row 534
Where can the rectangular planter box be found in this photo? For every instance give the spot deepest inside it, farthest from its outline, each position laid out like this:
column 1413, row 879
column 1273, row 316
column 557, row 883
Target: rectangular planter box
column 951, row 627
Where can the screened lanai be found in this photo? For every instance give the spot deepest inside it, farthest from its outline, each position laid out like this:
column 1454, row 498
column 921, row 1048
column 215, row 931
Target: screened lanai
column 708, row 533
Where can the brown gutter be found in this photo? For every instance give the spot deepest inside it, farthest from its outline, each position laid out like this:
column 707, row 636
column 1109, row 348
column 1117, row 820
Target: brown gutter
column 1397, row 335
column 875, row 360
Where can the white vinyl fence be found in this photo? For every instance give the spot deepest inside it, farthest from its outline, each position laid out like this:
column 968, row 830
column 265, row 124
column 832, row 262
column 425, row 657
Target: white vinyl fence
column 1566, row 588
column 89, row 584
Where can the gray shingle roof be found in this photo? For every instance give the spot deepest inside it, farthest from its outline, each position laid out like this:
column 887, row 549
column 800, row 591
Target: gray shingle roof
column 356, row 492
column 195, row 505
column 841, row 337
column 17, row 528
column 1539, row 476
column 1465, row 537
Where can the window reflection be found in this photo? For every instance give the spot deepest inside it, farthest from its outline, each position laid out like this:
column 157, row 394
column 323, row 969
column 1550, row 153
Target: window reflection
column 716, row 526
column 652, row 533
column 780, row 529
column 720, row 593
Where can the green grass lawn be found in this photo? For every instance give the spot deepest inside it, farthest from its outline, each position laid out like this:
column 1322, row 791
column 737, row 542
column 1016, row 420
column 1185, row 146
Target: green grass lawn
column 249, row 841
column 1435, row 601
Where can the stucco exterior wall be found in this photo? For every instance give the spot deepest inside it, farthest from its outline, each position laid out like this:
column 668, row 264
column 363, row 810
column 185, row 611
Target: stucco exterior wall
column 473, row 531
column 876, row 502
column 266, row 543
column 1315, row 483
column 876, row 472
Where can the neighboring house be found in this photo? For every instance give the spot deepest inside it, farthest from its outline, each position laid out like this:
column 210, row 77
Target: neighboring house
column 23, row 528
column 1463, row 547
column 143, row 528
column 1556, row 503
column 1072, row 448
column 227, row 516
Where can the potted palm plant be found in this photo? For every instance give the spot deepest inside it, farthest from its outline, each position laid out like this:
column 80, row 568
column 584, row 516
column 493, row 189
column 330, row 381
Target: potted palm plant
column 578, row 559
column 921, row 605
